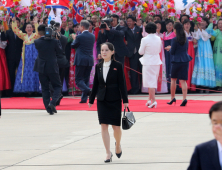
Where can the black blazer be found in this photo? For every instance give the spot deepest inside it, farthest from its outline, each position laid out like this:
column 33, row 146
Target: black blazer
column 179, row 52
column 84, row 49
column 61, row 57
column 14, row 46
column 68, row 46
column 205, row 157
column 133, row 40
column 116, row 37
column 115, row 86
column 46, row 62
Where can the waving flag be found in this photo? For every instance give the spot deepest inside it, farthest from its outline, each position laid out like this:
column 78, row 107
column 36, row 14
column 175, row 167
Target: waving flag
column 110, row 4
column 57, row 4
column 182, row 4
column 7, row 3
column 77, row 13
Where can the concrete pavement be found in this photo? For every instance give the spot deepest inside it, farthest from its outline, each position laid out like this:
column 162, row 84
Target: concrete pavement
column 34, row 140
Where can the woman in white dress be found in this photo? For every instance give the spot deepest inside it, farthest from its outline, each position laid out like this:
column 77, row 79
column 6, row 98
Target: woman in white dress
column 150, row 48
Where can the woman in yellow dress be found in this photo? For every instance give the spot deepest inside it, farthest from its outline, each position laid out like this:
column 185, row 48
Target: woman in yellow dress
column 26, row 79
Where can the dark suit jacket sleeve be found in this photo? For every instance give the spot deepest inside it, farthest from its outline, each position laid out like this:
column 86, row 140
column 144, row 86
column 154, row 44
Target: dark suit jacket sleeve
column 173, row 47
column 4, row 36
column 58, row 49
column 195, row 161
column 122, row 83
column 75, row 42
column 101, row 39
column 118, row 33
column 95, row 87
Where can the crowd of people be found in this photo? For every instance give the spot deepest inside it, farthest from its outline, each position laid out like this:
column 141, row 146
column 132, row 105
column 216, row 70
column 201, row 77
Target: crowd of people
column 18, row 53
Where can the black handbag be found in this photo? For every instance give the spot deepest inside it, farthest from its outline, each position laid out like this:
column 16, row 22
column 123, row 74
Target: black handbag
column 128, row 119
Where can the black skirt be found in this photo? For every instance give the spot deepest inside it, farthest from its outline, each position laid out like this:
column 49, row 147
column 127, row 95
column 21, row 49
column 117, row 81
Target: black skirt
column 109, row 112
column 180, row 70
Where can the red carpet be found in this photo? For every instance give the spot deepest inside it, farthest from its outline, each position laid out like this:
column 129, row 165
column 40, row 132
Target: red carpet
column 193, row 106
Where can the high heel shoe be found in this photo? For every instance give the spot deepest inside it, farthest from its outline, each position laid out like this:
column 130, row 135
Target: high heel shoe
column 119, row 154
column 172, row 101
column 184, row 103
column 148, row 103
column 110, row 159
column 153, row 105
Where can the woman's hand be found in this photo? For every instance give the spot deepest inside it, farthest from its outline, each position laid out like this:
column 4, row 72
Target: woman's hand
column 90, row 105
column 168, row 48
column 126, row 105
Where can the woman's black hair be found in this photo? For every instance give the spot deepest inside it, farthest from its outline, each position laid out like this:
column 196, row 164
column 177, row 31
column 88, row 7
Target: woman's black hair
column 188, row 17
column 215, row 108
column 151, row 28
column 111, row 48
column 90, row 22
column 186, row 21
column 167, row 21
column 180, row 34
column 207, row 20
column 44, row 19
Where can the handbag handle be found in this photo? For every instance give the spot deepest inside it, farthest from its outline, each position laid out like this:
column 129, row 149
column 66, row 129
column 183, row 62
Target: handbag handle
column 125, row 111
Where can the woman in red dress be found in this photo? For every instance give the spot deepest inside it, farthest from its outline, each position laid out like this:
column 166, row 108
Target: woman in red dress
column 4, row 74
column 191, row 52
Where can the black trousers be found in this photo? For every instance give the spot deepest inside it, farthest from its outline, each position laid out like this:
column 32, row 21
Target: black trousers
column 45, row 80
column 134, row 76
column 121, row 59
column 12, row 67
column 82, row 75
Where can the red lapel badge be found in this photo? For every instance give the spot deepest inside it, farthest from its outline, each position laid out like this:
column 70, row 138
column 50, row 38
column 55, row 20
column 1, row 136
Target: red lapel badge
column 115, row 69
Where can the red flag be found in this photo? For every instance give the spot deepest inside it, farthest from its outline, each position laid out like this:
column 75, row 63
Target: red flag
column 57, row 4
column 7, row 3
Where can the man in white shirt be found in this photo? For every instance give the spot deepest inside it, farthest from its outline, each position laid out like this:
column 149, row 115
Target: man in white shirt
column 208, row 156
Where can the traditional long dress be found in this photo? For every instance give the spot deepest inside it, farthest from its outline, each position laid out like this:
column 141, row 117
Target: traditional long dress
column 26, row 79
column 162, row 81
column 4, row 74
column 204, row 70
column 217, row 54
column 167, row 37
column 191, row 52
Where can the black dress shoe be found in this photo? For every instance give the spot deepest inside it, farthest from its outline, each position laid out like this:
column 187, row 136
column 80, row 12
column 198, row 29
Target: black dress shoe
column 109, row 160
column 119, row 154
column 58, row 102
column 184, row 103
column 82, row 102
column 52, row 107
column 172, row 101
column 50, row 111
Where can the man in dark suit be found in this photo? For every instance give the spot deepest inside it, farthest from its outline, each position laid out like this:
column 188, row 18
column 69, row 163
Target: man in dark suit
column 13, row 53
column 46, row 65
column 62, row 66
column 67, row 32
column 208, row 156
column 114, row 35
column 84, row 61
column 133, row 36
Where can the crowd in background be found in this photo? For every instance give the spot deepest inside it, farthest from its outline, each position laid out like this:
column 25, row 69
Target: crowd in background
column 18, row 53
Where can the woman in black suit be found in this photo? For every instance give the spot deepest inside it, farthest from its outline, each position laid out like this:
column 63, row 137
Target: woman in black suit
column 110, row 87
column 180, row 62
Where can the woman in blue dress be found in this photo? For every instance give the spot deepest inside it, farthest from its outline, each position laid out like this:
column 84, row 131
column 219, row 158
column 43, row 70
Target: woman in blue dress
column 204, row 70
column 26, row 79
